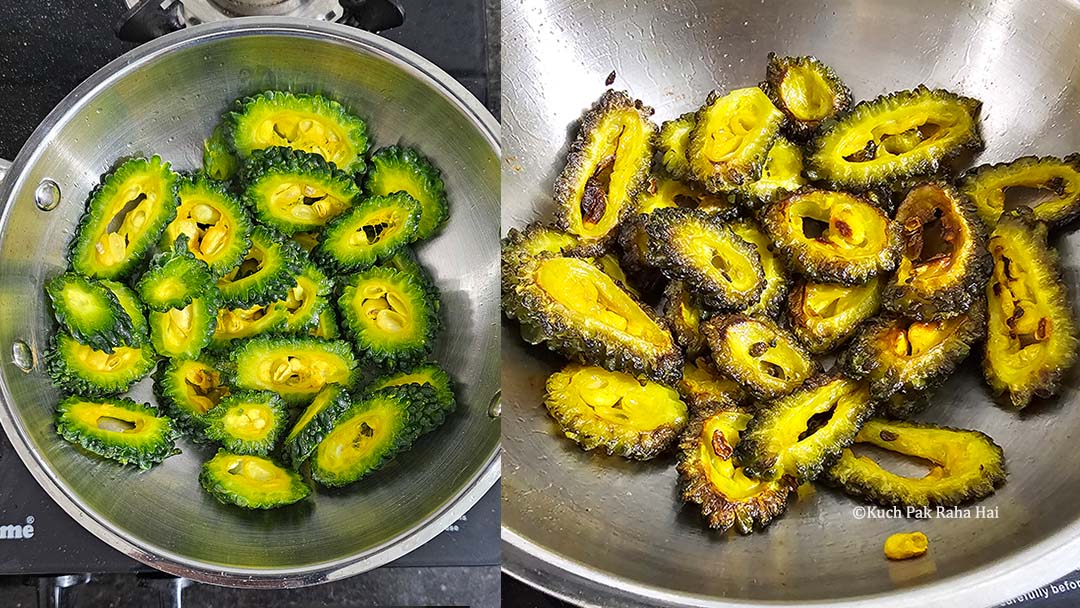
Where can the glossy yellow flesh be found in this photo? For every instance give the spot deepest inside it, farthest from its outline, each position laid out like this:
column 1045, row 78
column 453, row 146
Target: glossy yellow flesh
column 829, row 309
column 991, row 187
column 926, row 275
column 807, row 95
column 913, row 345
column 111, row 248
column 725, row 477
column 716, row 257
column 742, row 338
column 619, row 400
column 202, row 386
column 317, row 405
column 856, row 230
column 293, row 200
column 667, row 193
column 101, row 416
column 770, row 263
column 298, row 372
column 179, row 323
column 355, row 438
column 235, row 323
column 841, row 395
column 258, row 475
column 783, row 170
column 735, row 122
column 952, row 121
column 305, row 131
column 210, row 231
column 699, row 380
column 551, row 241
column 102, row 363
column 249, row 421
column 386, row 310
column 302, row 297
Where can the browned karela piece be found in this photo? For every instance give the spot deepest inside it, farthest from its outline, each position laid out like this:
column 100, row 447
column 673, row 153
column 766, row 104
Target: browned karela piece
column 781, row 175
column 712, row 478
column 833, row 237
column 945, row 264
column 673, row 144
column 801, row 433
column 776, row 276
column 806, row 90
column 824, row 315
column 627, row 417
column 1031, row 336
column 684, row 315
column 1057, row 181
column 703, row 387
column 731, row 137
column 765, row 360
column 963, row 465
column 661, row 192
column 606, row 166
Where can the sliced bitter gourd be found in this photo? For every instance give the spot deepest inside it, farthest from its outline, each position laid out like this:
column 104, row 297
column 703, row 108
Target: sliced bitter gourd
column 247, row 422
column 251, row 482
column 615, row 411
column 187, row 389
column 267, row 271
column 82, row 370
column 703, row 387
column 140, row 331
column 765, row 360
column 988, row 185
column 216, row 224
column 117, row 428
column 219, row 160
column 236, row 323
column 731, row 137
column 806, row 90
column 776, row 276
column 396, row 169
column 296, row 367
column 824, row 315
column 293, row 191
column 684, row 315
column 174, row 279
column 782, row 174
column 662, row 192
column 306, row 301
column 314, row 423
column 327, row 327
column 425, row 374
column 124, row 218
column 91, row 312
column 389, row 317
column 372, row 232
column 185, row 332
column 673, row 142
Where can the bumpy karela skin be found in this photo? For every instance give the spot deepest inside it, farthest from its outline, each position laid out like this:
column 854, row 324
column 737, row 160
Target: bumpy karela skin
column 175, row 278
column 372, row 432
column 945, row 263
column 251, row 482
column 311, row 123
column 267, row 271
column 723, row 270
column 684, row 316
column 672, row 144
column 142, row 192
column 117, row 428
column 833, row 237
column 219, row 160
column 216, row 223
column 615, row 411
column 295, row 367
column 1031, row 339
column 661, row 192
column 186, row 389
column 306, row 301
column 405, row 260
column 83, row 370
column 965, row 465
column 389, row 317
column 606, row 166
column 781, row 175
column 398, row 169
column 806, row 90
column 140, row 331
column 185, row 332
column 894, row 137
column 424, row 374
column 767, row 361
column 784, row 438
column 724, row 158
column 557, row 299
column 710, row 476
column 327, row 327
column 704, row 388
column 987, row 185
column 314, row 423
column 777, row 281
column 824, row 315
column 248, row 422
column 239, row 323
column 372, row 232
column 294, row 191
column 91, row 312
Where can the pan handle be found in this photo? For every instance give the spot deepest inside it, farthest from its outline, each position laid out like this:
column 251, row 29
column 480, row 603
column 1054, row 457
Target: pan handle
column 4, row 166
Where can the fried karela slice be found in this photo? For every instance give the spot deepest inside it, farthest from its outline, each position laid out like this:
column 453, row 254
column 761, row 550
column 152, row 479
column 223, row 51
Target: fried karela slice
column 1031, row 337
column 372, row 232
column 606, row 166
column 219, row 159
column 964, row 465
column 824, row 315
column 397, row 169
column 704, row 388
column 217, row 225
column 295, row 367
column 723, row 270
column 116, row 428
column 615, row 411
column 306, row 301
column 767, row 361
column 806, row 90
column 185, row 332
column 251, row 482
column 945, row 263
column 175, row 278
column 390, row 318
column 125, row 215
column 314, row 423
column 833, row 237
column 731, row 137
column 425, row 374
column 711, row 477
column 801, row 433
column 1058, row 180
column 661, row 192
column 684, row 316
column 247, row 422
column 237, row 323
column 83, row 370
column 776, row 275
column 188, row 388
column 781, row 175
column 91, row 312
column 673, row 142
column 293, row 191
column 267, row 271
column 894, row 137
column 311, row 123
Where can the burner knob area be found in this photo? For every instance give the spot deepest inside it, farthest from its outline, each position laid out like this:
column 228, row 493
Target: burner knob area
column 52, row 590
column 373, row 15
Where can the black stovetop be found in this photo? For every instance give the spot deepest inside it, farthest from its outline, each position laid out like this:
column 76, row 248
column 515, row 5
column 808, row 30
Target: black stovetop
column 46, row 49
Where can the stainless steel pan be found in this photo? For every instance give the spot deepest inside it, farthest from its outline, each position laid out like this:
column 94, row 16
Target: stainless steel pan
column 603, row 531
column 164, row 98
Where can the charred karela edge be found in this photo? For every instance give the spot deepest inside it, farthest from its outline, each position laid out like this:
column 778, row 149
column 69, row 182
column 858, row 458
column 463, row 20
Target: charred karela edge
column 95, row 221
column 233, row 225
column 226, row 478
column 91, row 312
column 985, row 185
column 714, row 287
column 314, row 423
column 171, row 380
column 234, row 422
column 903, row 405
column 418, row 324
column 749, row 156
column 1044, row 381
column 349, row 127
column 862, row 477
column 684, row 315
column 239, row 323
column 672, row 144
column 69, row 371
column 219, row 159
column 247, row 359
column 146, row 445
column 721, row 512
column 777, row 281
column 821, row 334
column 781, row 175
column 728, row 358
column 424, row 374
column 704, row 388
column 175, row 278
column 969, row 270
column 140, row 331
column 398, row 169
column 306, row 310
column 776, row 71
column 581, row 421
column 276, row 274
column 287, row 165
column 571, row 184
column 822, row 266
column 201, row 313
column 846, row 175
column 398, row 213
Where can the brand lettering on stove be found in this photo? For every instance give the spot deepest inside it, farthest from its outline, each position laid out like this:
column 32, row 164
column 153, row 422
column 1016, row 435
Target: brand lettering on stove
column 18, row 531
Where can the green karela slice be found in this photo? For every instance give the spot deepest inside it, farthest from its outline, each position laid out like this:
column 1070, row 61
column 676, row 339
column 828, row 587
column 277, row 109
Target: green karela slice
column 216, row 224
column 219, row 159
column 307, row 300
column 251, row 482
column 389, row 317
column 327, row 327
column 81, row 369
column 117, row 428
column 314, row 423
column 293, row 191
column 235, row 323
column 267, row 271
column 371, row 232
column 405, row 261
column 185, row 332
column 174, row 279
column 140, row 331
column 91, row 312
column 425, row 374
column 295, row 367
column 186, row 390
column 247, row 422
column 397, row 169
